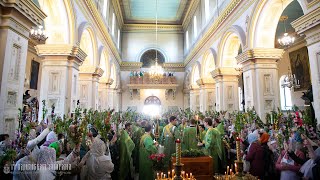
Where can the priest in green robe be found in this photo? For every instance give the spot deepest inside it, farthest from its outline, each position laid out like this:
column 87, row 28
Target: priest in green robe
column 137, row 133
column 213, row 144
column 126, row 148
column 202, row 132
column 189, row 140
column 169, row 135
column 147, row 147
column 181, row 128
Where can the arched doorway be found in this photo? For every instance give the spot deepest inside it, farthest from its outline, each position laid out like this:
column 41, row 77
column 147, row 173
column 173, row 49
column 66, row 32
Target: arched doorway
column 152, row 106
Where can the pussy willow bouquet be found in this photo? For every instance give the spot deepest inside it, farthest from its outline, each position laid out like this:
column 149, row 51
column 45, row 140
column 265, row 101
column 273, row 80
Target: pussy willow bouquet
column 157, row 161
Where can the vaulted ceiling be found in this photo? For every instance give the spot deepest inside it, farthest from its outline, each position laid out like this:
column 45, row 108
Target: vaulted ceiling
column 144, row 11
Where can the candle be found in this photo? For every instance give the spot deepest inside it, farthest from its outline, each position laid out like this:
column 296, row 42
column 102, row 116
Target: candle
column 187, row 176
column 158, row 176
column 168, row 174
column 178, row 152
column 235, row 167
column 227, row 170
column 173, row 173
column 238, row 149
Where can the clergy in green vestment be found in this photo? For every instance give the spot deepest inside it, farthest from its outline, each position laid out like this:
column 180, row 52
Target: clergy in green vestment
column 169, row 135
column 147, row 147
column 189, row 140
column 181, row 128
column 137, row 133
column 213, row 144
column 126, row 148
column 219, row 126
column 202, row 132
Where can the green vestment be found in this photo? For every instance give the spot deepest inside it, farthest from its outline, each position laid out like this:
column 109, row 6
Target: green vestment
column 168, row 141
column 136, row 136
column 126, row 148
column 146, row 149
column 189, row 140
column 213, row 146
column 203, row 135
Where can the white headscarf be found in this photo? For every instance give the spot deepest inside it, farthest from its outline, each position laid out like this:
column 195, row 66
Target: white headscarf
column 52, row 136
column 99, row 165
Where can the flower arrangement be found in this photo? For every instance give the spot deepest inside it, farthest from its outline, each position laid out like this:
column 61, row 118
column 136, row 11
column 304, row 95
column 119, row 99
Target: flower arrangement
column 157, row 161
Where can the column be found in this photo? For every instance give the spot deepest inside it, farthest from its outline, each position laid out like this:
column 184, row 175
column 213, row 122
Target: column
column 226, row 89
column 261, row 79
column 309, row 25
column 59, row 78
column 186, row 98
column 103, row 93
column 89, row 83
column 195, row 99
column 207, row 94
column 15, row 26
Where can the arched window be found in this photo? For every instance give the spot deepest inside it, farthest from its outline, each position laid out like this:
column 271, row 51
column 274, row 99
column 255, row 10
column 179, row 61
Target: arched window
column 206, row 9
column 113, row 23
column 148, row 58
column 104, row 10
column 152, row 106
column 285, row 95
column 118, row 39
column 187, row 40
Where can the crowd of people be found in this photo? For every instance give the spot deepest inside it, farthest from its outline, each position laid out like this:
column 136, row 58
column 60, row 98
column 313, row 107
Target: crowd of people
column 126, row 154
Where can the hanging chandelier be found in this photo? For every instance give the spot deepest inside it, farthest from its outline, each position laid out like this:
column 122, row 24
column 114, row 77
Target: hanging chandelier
column 290, row 80
column 286, row 40
column 156, row 71
column 38, row 34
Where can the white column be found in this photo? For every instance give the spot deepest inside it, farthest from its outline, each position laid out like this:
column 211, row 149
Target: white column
column 186, row 98
column 59, row 77
column 15, row 26
column 261, row 79
column 103, row 94
column 195, row 99
column 89, row 84
column 227, row 98
column 207, row 94
column 309, row 25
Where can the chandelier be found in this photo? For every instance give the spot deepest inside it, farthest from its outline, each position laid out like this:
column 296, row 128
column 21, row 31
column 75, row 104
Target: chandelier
column 290, row 80
column 156, row 71
column 286, row 40
column 38, row 34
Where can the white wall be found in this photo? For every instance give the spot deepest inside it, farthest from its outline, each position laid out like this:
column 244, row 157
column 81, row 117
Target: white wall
column 135, row 43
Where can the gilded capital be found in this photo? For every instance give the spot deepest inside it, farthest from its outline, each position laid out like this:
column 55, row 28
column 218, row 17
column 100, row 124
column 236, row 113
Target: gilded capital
column 260, row 53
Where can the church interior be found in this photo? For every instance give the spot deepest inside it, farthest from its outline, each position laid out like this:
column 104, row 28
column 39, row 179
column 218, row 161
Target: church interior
column 160, row 89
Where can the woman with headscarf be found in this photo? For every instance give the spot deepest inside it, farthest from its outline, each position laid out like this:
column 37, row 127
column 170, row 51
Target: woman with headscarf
column 98, row 165
column 255, row 156
column 43, row 158
column 288, row 167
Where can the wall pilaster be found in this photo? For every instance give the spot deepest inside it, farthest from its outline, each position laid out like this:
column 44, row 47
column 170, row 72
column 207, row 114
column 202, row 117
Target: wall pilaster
column 59, row 77
column 226, row 89
column 207, row 94
column 261, row 79
column 309, row 25
column 16, row 20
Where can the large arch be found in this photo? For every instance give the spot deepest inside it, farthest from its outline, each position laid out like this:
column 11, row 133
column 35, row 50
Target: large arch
column 195, row 75
column 60, row 22
column 88, row 44
column 264, row 21
column 231, row 43
column 208, row 63
column 104, row 63
column 113, row 75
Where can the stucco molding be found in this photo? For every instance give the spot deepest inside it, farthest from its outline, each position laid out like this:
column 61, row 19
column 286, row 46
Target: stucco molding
column 263, row 53
column 152, row 86
column 224, row 72
column 307, row 21
column 191, row 10
column 152, row 27
column 27, row 8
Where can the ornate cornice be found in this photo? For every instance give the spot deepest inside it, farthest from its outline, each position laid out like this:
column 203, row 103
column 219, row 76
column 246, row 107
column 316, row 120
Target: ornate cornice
column 308, row 24
column 97, row 19
column 118, row 12
column 98, row 72
column 152, row 27
column 27, row 8
column 224, row 72
column 130, row 66
column 214, row 27
column 314, row 2
column 202, row 82
column 188, row 16
column 307, row 21
column 262, row 53
column 176, row 67
column 152, row 86
column 61, row 50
